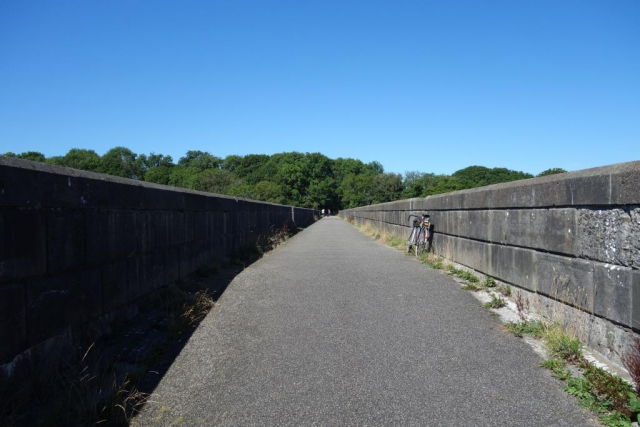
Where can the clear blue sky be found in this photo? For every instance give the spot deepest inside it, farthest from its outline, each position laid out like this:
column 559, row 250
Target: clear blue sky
column 417, row 85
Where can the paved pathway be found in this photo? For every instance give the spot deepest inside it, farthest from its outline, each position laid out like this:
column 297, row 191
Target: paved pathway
column 335, row 329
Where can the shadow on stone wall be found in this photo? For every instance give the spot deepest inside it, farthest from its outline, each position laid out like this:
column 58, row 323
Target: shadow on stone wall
column 106, row 380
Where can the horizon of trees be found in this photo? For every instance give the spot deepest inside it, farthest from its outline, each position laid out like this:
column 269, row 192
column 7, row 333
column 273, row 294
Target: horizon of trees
column 309, row 180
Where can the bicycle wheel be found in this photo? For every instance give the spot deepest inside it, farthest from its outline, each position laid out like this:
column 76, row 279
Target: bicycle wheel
column 427, row 240
column 420, row 241
column 410, row 240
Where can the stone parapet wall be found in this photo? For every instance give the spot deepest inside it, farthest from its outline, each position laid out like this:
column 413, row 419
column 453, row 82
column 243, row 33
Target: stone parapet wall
column 573, row 237
column 76, row 246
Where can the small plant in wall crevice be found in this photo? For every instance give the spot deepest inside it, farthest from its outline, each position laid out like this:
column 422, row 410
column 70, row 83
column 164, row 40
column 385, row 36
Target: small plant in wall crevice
column 496, row 302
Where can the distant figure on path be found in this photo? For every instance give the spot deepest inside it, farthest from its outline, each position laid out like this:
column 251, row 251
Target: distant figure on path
column 322, row 211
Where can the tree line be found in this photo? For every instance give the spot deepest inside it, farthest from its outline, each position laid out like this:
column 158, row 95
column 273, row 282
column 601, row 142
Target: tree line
column 309, row 180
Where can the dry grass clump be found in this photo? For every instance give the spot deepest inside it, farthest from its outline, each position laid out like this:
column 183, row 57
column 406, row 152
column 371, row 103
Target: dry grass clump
column 92, row 393
column 631, row 361
column 522, row 306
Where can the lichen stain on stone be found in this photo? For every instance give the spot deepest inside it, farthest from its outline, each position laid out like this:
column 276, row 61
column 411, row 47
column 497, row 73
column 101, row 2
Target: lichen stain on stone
column 611, row 235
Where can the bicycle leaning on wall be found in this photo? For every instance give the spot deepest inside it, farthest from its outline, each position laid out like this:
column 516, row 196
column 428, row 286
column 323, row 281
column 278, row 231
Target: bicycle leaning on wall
column 420, row 237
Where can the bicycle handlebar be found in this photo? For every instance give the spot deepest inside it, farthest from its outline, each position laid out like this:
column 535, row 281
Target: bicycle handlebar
column 418, row 216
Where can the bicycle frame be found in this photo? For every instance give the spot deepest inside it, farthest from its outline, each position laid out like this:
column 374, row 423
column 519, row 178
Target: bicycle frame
column 419, row 238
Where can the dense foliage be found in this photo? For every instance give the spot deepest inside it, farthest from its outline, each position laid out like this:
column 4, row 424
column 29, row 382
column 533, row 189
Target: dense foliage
column 301, row 179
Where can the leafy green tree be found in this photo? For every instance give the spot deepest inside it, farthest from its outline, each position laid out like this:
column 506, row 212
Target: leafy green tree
column 215, row 181
column 200, row 160
column 158, row 174
column 9, row 154
column 438, row 184
column 231, row 163
column 268, row 192
column 55, row 160
column 551, row 171
column 242, row 190
column 342, row 167
column 185, row 177
column 293, row 175
column 34, row 156
column 79, row 158
column 322, row 194
column 387, row 187
column 120, row 161
column 300, row 179
column 357, row 190
column 414, row 183
column 160, row 163
column 264, row 190
column 478, row 176
column 154, row 160
column 256, row 167
column 375, row 167
column 318, row 165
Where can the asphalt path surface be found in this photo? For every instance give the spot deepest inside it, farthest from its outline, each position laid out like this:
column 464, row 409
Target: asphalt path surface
column 336, row 329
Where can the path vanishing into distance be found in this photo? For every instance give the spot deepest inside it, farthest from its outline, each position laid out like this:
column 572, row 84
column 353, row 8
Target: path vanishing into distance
column 335, row 329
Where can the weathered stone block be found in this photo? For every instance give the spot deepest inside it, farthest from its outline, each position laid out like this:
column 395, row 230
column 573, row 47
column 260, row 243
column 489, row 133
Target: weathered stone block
column 225, row 225
column 163, row 198
column 442, row 245
column 513, row 265
column 60, row 302
column 613, row 293
column 211, row 225
column 548, row 229
column 147, row 234
column 17, row 187
column 201, row 225
column 66, row 240
column 160, row 222
column 194, row 201
column 225, row 204
column 588, row 190
column 609, row 235
column 495, row 226
column 234, row 221
column 473, row 254
column 625, row 184
column 176, row 228
column 419, row 203
column 517, row 227
column 22, row 243
column 172, row 264
column 110, row 235
column 635, row 293
column 566, row 279
column 114, row 286
column 200, row 254
column 154, row 264
column 145, row 273
column 186, row 261
column 220, row 247
column 13, row 326
column 218, row 223
column 189, row 226
column 475, row 224
column 615, row 184
column 554, row 230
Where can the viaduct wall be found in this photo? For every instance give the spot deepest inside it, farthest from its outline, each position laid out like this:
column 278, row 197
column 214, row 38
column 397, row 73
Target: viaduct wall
column 573, row 237
column 78, row 246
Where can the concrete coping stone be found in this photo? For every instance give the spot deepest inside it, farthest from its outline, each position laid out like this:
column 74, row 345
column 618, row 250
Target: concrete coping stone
column 615, row 184
column 37, row 167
